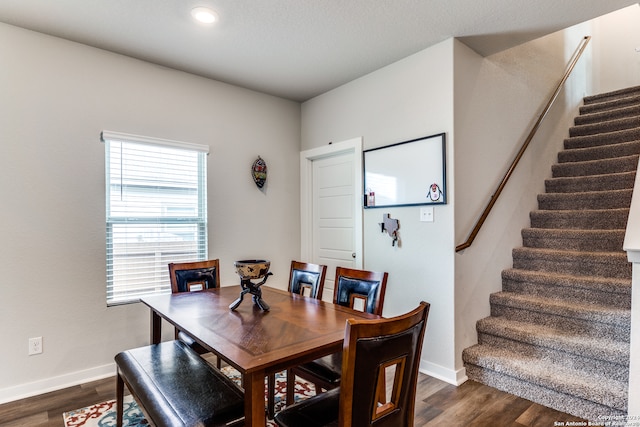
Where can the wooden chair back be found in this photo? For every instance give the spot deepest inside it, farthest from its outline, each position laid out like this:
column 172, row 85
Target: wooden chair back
column 375, row 350
column 194, row 276
column 360, row 289
column 307, row 279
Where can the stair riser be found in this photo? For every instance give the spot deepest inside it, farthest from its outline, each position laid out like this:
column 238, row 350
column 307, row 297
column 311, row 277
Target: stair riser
column 561, row 358
column 612, row 105
column 563, row 323
column 542, row 395
column 592, row 200
column 597, row 153
column 595, row 167
column 618, row 137
column 574, row 220
column 615, row 97
column 614, row 114
column 605, row 127
column 574, row 263
column 599, row 242
column 574, row 244
column 568, row 293
column 591, row 183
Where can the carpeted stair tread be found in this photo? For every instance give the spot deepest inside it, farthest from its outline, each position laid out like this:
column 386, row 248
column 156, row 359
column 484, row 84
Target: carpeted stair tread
column 585, row 200
column 554, row 339
column 595, row 167
column 583, row 240
column 592, row 387
column 604, row 182
column 613, row 199
column 614, row 95
column 609, row 138
column 569, row 309
column 610, row 114
column 597, row 290
column 600, row 152
column 605, row 264
column 602, row 219
column 604, row 127
column 606, row 284
column 580, row 219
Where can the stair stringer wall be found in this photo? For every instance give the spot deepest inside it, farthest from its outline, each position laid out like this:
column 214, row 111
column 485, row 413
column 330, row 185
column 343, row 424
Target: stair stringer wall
column 499, row 86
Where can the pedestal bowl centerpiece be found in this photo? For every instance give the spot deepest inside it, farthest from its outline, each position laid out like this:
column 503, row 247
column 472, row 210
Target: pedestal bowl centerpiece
column 252, row 269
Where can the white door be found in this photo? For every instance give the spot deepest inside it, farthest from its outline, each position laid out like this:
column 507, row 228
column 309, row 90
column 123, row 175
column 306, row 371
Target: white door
column 332, row 208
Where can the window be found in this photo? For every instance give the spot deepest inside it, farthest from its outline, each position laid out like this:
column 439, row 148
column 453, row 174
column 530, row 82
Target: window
column 156, row 212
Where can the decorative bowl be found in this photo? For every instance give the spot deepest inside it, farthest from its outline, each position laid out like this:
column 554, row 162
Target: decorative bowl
column 252, row 268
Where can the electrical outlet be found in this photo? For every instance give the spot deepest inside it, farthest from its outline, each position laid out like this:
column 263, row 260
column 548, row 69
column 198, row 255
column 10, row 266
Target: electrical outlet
column 426, row 214
column 35, row 345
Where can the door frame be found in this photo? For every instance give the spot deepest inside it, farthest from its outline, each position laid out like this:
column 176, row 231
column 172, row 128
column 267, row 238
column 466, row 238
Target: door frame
column 307, row 157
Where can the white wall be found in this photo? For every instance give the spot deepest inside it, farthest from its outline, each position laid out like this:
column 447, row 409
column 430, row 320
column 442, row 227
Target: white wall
column 408, row 99
column 616, row 62
column 55, row 99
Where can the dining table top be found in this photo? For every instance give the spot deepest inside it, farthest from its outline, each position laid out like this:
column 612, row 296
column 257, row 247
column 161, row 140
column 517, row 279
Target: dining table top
column 296, row 329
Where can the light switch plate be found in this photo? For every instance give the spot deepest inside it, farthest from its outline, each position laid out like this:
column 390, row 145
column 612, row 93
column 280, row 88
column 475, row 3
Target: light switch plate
column 426, row 214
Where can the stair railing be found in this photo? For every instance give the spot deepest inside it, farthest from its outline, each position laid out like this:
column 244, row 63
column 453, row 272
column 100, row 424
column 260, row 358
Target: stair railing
column 570, row 66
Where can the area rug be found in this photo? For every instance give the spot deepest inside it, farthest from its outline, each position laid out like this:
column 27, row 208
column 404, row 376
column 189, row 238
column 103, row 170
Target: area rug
column 103, row 414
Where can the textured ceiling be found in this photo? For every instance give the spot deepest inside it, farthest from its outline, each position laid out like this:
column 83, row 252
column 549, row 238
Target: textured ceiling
column 296, row 49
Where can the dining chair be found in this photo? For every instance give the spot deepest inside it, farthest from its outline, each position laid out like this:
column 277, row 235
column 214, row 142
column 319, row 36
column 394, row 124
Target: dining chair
column 305, row 279
column 353, row 288
column 373, row 349
column 191, row 277
column 194, row 276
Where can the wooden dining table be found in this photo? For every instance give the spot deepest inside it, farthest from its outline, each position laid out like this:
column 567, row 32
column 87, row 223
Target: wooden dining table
column 295, row 330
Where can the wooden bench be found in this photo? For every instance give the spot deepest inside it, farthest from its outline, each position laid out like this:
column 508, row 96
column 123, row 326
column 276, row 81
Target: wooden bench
column 175, row 387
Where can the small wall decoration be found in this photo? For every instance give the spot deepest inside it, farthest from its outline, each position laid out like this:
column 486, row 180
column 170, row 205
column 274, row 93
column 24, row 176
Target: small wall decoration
column 391, row 226
column 407, row 173
column 435, row 193
column 259, row 172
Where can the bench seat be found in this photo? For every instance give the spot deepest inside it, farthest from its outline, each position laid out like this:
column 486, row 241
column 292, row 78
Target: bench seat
column 175, row 387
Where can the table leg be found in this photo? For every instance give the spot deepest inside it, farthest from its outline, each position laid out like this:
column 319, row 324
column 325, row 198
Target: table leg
column 156, row 328
column 254, row 410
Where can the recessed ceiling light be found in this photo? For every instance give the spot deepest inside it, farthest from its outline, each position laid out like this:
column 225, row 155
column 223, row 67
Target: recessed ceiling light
column 204, row 15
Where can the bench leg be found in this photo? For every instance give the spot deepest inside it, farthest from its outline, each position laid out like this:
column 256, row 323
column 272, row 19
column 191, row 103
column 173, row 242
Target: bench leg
column 119, row 400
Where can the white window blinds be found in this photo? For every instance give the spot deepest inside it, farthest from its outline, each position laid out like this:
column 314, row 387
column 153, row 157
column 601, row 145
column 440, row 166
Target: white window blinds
column 156, row 212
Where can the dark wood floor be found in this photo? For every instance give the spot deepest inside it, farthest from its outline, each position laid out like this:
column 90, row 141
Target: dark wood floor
column 437, row 404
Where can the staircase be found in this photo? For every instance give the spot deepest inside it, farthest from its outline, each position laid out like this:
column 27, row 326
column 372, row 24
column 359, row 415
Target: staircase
column 559, row 331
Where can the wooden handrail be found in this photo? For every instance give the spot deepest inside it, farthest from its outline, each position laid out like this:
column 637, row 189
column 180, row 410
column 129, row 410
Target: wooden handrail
column 503, row 183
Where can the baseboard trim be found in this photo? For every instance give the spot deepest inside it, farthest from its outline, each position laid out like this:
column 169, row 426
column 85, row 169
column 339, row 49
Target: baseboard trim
column 35, row 388
column 47, row 385
column 444, row 374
